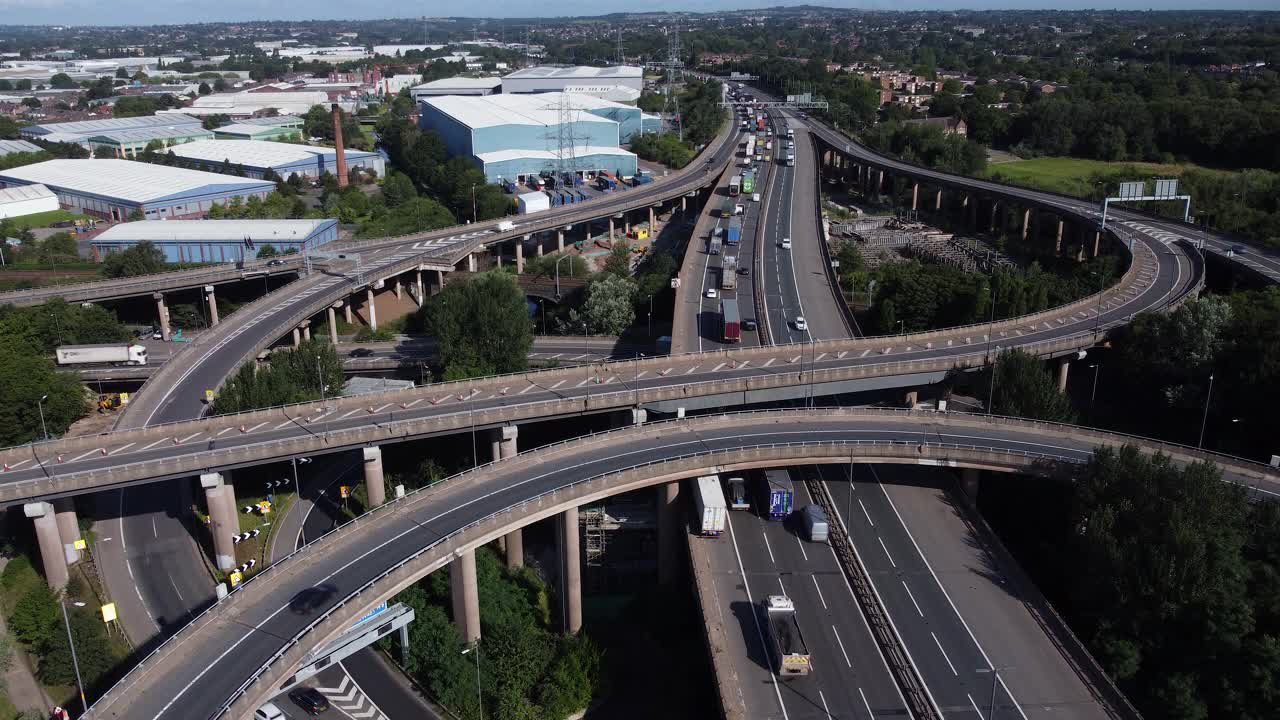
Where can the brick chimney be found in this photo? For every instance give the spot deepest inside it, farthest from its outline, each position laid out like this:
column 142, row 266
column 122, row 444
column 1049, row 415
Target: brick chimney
column 337, row 142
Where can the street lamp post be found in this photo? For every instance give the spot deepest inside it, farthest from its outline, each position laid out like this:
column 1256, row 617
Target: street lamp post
column 995, row 680
column 75, row 662
column 991, row 388
column 40, row 406
column 479, row 697
column 563, row 256
column 320, row 380
column 1208, row 398
column 297, row 491
column 1094, row 394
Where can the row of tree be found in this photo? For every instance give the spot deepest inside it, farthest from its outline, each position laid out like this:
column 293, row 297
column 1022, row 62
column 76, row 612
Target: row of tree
column 293, row 375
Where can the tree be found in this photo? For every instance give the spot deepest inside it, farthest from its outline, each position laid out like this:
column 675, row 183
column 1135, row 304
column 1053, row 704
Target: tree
column 1024, row 388
column 294, row 375
column 34, row 619
column 141, row 259
column 204, row 88
column 481, row 325
column 122, row 72
column 62, row 81
column 8, row 128
column 397, row 189
column 608, row 308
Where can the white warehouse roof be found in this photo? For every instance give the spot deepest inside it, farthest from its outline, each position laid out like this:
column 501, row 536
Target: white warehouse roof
column 580, row 151
column 18, row 146
column 85, row 128
column 480, row 111
column 460, row 83
column 231, row 230
column 560, row 72
column 256, row 153
column 127, row 179
column 25, row 192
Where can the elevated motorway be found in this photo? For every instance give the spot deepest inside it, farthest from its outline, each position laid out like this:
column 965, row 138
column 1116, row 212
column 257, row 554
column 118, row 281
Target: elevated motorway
column 180, row 386
column 234, row 656
column 143, row 285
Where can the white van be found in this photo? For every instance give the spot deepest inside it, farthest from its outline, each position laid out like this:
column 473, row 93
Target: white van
column 815, row 523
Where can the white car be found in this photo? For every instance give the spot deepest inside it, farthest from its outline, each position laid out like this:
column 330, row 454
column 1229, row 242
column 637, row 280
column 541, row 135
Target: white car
column 786, row 243
column 711, row 292
column 269, row 712
column 801, row 324
column 755, row 197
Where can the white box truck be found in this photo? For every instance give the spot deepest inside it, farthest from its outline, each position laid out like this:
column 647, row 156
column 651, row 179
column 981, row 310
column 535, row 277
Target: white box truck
column 114, row 354
column 711, row 506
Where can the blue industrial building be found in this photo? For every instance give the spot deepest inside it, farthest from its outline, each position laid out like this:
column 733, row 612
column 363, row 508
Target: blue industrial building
column 217, row 240
column 113, row 189
column 512, row 136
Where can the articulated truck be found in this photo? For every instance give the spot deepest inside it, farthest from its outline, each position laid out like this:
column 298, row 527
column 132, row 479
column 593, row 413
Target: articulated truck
column 113, row 354
column 790, row 654
column 711, row 506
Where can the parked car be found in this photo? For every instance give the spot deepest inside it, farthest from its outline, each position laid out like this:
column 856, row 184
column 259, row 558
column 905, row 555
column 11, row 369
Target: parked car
column 310, row 700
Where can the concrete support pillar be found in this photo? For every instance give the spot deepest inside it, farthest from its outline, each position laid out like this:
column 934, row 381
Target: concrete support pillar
column 538, row 249
column 224, row 521
column 995, row 215
column 1097, row 240
column 297, row 336
column 611, row 229
column 50, row 542
column 519, row 257
column 651, row 221
column 333, row 326
column 969, row 482
column 572, row 570
column 395, row 286
column 1064, row 368
column 471, row 262
column 163, row 312
column 915, row 196
column 346, row 311
column 1058, row 246
column 507, row 437
column 513, row 543
column 466, row 595
column 212, row 301
column 439, row 281
column 668, row 532
column 497, row 254
column 560, row 241
column 683, row 201
column 68, row 528
column 937, row 201
column 1026, row 223
column 375, row 484
column 910, row 399
column 373, row 310
column 418, row 287
column 626, row 228
column 880, row 183
column 306, row 330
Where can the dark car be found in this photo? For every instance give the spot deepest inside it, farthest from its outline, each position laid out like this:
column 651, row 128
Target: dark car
column 1237, row 249
column 361, row 352
column 275, row 263
column 744, row 270
column 748, row 324
column 309, row 699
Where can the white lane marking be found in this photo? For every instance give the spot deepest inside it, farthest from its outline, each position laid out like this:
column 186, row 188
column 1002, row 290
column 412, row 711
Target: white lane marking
column 192, row 435
column 17, row 465
column 584, row 382
column 944, row 653
column 84, row 455
column 415, row 402
column 913, row 598
column 755, row 617
column 558, row 384
column 642, row 374
column 526, row 389
column 985, row 657
column 803, row 554
column 148, row 447
column 975, row 707
column 695, row 367
column 864, row 512
column 865, row 353
column 768, row 362
column 815, row 587
column 717, row 368
column 224, row 431
column 841, row 644
column 286, row 423
column 255, row 427
column 380, row 408
column 349, row 413
column 122, row 448
column 886, row 551
column 866, row 704
column 823, row 698
column 767, row 546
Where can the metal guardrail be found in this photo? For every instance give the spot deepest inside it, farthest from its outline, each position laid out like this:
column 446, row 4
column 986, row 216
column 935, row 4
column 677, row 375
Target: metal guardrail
column 142, row 284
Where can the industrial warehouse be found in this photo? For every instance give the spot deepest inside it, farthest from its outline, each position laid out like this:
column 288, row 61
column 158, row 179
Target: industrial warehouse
column 217, row 240
column 514, row 136
column 255, row 157
column 80, row 131
column 552, row 78
column 112, row 189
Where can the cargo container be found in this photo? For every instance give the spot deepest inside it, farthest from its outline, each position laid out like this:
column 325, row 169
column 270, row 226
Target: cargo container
column 776, row 494
column 553, row 197
column 730, row 320
column 791, row 654
column 714, row 246
column 711, row 507
column 728, row 272
column 113, row 353
column 532, row 202
column 733, row 235
column 641, row 180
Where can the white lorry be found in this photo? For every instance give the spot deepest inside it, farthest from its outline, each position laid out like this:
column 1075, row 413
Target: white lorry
column 711, row 506
column 113, row 353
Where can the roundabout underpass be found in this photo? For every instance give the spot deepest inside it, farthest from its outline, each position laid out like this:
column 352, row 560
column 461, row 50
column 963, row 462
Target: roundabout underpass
column 236, row 654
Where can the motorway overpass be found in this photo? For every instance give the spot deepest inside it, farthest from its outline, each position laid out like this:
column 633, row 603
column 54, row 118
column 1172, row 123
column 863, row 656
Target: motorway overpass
column 234, row 656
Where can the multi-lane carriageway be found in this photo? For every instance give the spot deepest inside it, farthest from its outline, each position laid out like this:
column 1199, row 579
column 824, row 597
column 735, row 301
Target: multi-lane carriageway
column 233, row 656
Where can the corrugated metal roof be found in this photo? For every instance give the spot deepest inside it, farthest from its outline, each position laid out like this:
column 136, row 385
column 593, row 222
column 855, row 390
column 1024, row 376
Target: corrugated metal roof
column 580, row 151
column 150, row 133
column 479, row 111
column 257, row 153
column 246, row 129
column 278, row 120
column 214, row 230
column 25, row 192
column 128, row 180
column 460, row 82
column 565, row 72
column 8, row 147
column 85, row 128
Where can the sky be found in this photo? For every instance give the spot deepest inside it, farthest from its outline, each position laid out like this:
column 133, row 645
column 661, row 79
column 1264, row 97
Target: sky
column 148, row 12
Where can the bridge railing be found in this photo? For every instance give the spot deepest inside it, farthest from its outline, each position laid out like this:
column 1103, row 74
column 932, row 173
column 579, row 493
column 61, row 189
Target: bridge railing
column 140, row 284
column 332, row 539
